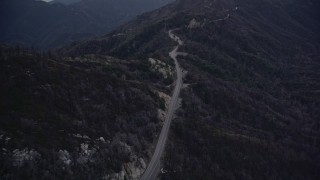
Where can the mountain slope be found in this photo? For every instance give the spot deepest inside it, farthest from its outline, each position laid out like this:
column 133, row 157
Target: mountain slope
column 251, row 106
column 88, row 117
column 49, row 25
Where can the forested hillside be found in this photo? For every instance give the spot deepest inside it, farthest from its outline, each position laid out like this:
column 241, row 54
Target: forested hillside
column 82, row 117
column 251, row 106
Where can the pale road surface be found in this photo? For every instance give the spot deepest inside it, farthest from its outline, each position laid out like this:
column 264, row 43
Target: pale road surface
column 153, row 168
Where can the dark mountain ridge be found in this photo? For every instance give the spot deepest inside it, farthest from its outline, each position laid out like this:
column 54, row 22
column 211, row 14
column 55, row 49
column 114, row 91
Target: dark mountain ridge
column 45, row 26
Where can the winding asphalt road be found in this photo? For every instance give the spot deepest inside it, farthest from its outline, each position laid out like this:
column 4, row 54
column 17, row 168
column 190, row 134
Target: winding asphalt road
column 153, row 168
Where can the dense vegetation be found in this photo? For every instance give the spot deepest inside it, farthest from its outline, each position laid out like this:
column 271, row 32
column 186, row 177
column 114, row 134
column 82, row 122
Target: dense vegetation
column 251, row 109
column 78, row 118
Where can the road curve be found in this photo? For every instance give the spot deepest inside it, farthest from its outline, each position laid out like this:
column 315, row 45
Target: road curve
column 153, row 168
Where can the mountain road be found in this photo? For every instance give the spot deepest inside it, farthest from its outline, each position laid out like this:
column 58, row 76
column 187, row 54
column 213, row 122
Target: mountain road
column 153, row 168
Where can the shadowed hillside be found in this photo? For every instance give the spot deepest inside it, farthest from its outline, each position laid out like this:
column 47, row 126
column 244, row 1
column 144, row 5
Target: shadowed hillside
column 82, row 117
column 251, row 106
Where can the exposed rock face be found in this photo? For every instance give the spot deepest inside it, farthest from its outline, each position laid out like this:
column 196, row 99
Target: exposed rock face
column 163, row 68
column 194, row 24
column 132, row 170
column 85, row 154
column 65, row 157
column 22, row 156
column 135, row 169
